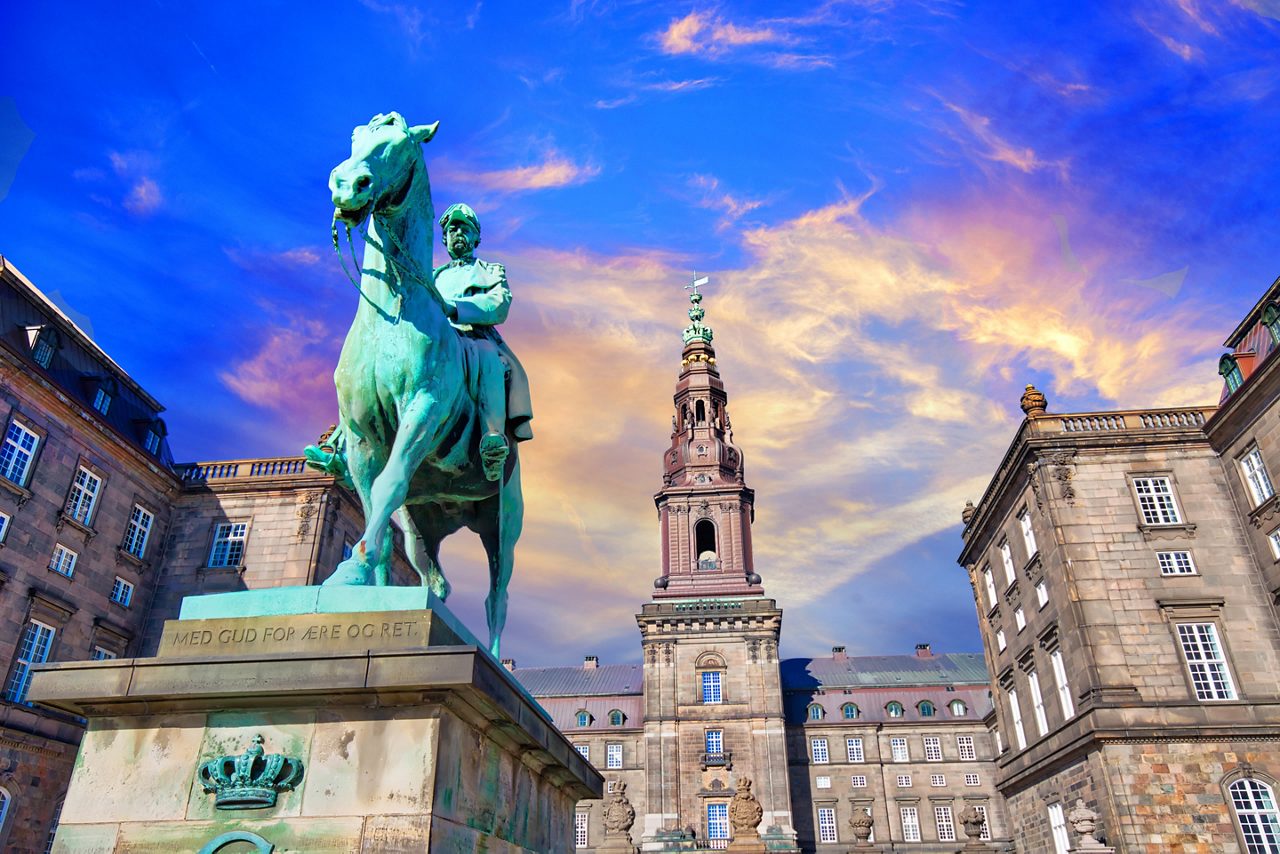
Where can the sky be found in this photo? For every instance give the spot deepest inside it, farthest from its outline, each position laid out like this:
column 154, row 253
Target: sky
column 908, row 211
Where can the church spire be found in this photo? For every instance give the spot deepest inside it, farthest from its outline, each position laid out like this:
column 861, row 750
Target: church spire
column 705, row 507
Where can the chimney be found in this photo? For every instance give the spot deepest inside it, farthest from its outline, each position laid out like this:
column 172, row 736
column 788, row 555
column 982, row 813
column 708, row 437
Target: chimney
column 590, row 662
column 837, row 652
column 509, row 663
column 923, row 650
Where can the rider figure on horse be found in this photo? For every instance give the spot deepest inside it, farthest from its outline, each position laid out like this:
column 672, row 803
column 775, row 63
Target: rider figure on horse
column 478, row 299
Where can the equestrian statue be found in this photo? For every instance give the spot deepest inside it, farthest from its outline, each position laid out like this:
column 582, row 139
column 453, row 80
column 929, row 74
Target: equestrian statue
column 431, row 400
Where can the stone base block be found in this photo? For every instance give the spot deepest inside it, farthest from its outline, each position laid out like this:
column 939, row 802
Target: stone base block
column 422, row 749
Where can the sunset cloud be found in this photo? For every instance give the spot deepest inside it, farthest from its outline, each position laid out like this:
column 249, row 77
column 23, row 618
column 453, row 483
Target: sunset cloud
column 991, row 146
column 555, row 170
column 709, row 36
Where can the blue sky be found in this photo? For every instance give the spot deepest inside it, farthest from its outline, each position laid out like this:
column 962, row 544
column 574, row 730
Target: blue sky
column 909, row 210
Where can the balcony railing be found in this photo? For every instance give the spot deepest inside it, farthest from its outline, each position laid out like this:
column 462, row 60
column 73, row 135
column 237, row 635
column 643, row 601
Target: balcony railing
column 1128, row 421
column 242, row 469
column 718, row 760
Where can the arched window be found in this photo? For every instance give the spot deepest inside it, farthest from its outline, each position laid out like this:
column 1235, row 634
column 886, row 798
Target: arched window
column 849, row 711
column 926, row 709
column 958, row 708
column 1229, row 368
column 617, row 718
column 1271, row 320
column 704, row 544
column 711, row 672
column 700, row 411
column 894, row 709
column 584, row 717
column 1255, row 806
column 816, row 712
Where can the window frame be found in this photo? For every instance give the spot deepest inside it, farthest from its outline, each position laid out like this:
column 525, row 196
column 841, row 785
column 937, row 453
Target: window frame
column 964, row 708
column 717, row 825
column 894, row 709
column 1150, row 478
column 896, row 742
column 1171, row 569
column 911, row 829
column 127, row 589
column 967, row 743
column 1015, row 712
column 819, row 750
column 938, row 781
column 934, row 754
column 131, row 525
column 70, row 567
column 1006, row 560
column 1229, row 370
column 844, row 711
column 213, row 544
column 1245, row 778
column 713, row 735
column 5, row 523
column 1178, row 622
column 1058, row 828
column 857, row 781
column 989, row 582
column 613, row 755
column 853, row 750
column 81, row 503
column 1253, row 471
column 938, row 813
column 18, row 681
column 972, row 778
column 32, row 454
column 581, row 828
column 711, row 686
column 814, row 712
column 904, row 781
column 1028, row 532
column 827, row 831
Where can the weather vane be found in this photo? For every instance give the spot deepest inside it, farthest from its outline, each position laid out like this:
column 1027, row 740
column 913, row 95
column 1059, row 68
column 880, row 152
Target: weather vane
column 695, row 284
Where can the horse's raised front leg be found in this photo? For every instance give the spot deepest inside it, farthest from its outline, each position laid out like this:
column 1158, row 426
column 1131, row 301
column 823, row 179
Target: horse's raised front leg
column 499, row 534
column 364, row 461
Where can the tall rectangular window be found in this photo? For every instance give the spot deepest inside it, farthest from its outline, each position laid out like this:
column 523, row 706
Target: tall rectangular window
column 43, row 351
column 990, row 583
column 910, row 824
column 1208, row 666
column 1256, row 477
column 121, row 592
column 1064, row 691
column 584, row 750
column 613, row 756
column 715, row 741
column 1001, row 641
column 1155, row 501
column 932, row 748
column 228, row 544
column 17, row 452
column 1020, row 618
column 898, row 749
column 827, row 824
column 1006, row 558
column 1176, row 563
column 83, row 495
column 946, row 824
column 818, row 749
column 717, row 822
column 1028, row 535
column 138, row 531
column 1274, row 539
column 1042, row 594
column 1016, row 711
column 1037, row 703
column 63, row 561
column 853, row 749
column 152, row 442
column 102, row 401
column 1058, row 827
column 985, row 833
column 964, row 744
column 711, row 685
column 580, row 823
column 4, row 526
column 33, row 648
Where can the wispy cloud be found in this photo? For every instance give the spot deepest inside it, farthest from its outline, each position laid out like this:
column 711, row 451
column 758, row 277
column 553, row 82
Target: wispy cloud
column 555, row 170
column 707, row 35
column 994, row 147
column 144, row 196
column 712, row 196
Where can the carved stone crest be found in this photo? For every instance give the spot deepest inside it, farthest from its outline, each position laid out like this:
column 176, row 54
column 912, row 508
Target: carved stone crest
column 619, row 815
column 745, row 811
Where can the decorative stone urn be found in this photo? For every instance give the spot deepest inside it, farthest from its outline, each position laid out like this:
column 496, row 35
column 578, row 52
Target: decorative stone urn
column 1033, row 402
column 861, row 823
column 971, row 820
column 1084, row 822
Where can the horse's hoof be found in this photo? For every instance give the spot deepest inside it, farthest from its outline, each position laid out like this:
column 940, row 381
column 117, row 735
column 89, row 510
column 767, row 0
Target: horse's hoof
column 350, row 574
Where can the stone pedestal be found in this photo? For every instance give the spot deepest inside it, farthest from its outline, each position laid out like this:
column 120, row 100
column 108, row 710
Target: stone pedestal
column 408, row 740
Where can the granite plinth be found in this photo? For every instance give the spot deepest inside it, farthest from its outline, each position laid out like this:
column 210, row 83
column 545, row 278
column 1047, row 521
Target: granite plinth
column 404, row 750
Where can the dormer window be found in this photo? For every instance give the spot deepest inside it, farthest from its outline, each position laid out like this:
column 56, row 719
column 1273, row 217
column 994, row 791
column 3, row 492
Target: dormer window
column 1229, row 368
column 43, row 341
column 894, row 709
column 816, row 712
column 1271, row 320
column 101, row 390
column 102, row 400
column 617, row 718
column 927, row 709
column 958, row 708
column 152, row 442
column 849, row 711
column 152, row 431
column 584, row 718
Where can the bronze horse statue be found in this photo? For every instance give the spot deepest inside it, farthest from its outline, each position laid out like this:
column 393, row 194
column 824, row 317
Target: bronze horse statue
column 408, row 428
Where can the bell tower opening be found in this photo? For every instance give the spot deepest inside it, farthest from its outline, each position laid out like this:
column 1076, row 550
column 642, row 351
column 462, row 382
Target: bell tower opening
column 704, row 539
column 700, row 410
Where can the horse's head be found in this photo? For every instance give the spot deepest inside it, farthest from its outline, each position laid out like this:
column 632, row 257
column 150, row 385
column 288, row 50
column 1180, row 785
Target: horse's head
column 383, row 156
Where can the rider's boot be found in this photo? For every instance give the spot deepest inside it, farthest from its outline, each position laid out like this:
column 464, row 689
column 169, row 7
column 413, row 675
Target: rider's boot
column 493, row 455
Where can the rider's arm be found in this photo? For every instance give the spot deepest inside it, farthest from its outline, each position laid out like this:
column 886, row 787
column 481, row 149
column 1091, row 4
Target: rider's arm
column 486, row 304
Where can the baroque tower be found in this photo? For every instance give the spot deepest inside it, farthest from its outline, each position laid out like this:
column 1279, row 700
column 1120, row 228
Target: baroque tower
column 713, row 698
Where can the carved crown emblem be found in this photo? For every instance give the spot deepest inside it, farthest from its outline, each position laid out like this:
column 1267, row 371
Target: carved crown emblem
column 252, row 780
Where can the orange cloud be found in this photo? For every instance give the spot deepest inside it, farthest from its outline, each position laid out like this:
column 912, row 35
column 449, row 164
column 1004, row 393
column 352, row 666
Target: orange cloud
column 556, row 170
column 994, row 147
column 704, row 34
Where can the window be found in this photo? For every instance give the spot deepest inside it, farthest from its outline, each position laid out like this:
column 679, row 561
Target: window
column 613, row 756
column 1060, row 676
column 4, row 806
column 858, row 781
column 818, row 748
column 53, row 829
column 4, row 526
column 937, row 780
column 1229, row 369
column 584, row 750
column 617, row 718
column 711, row 683
column 926, row 709
column 1155, row 500
column 816, row 712
column 63, row 561
column 989, row 582
column 1255, row 807
column 1006, row 558
column 43, row 353
column 1208, row 666
column 910, row 824
column 715, row 741
column 894, row 709
column 102, row 400
column 999, row 742
column 33, row 648
column 946, row 825
column 1274, row 539
column 1058, row 827
column 100, row 654
column 1271, row 320
column 822, row 782
column 717, row 822
column 849, row 711
column 972, row 780
column 827, row 824
column 898, row 749
column 1256, row 477
column 152, row 442
column 1042, row 594
column 1020, row 619
column 139, row 529
column 904, row 781
column 83, row 495
column 958, row 708
column 1028, row 535
column 1016, row 711
column 964, row 744
column 609, row 786
column 985, row 833
column 1037, row 702
column 1001, row 642
column 580, row 820
column 121, row 592
column 348, row 549
column 853, row 749
column 932, row 748
column 583, row 718
column 228, row 544
column 18, row 451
